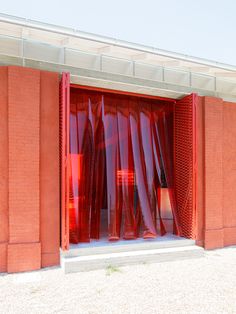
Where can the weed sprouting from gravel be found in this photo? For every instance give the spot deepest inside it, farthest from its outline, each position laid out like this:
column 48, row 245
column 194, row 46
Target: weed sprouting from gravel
column 112, row 269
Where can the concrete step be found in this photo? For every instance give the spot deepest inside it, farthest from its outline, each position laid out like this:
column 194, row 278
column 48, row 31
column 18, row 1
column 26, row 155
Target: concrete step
column 106, row 247
column 71, row 264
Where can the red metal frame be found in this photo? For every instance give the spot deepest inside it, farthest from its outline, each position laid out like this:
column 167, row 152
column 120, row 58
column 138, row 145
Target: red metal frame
column 195, row 165
column 119, row 92
column 185, row 161
column 64, row 155
column 188, row 227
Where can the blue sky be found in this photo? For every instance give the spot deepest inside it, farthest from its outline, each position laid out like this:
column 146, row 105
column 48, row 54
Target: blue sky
column 202, row 28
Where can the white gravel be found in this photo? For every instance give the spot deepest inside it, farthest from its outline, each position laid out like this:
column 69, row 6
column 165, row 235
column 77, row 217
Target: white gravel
column 205, row 285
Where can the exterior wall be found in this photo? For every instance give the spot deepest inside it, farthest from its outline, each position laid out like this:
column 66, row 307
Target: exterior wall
column 216, row 205
column 29, row 167
column 3, row 168
column 200, row 173
column 49, row 169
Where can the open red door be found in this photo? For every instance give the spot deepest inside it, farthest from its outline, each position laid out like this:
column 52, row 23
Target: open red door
column 185, row 163
column 64, row 157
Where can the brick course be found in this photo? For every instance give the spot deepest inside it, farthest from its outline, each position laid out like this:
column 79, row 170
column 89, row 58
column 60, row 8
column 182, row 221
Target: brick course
column 49, row 168
column 216, row 206
column 29, row 167
column 3, row 168
column 23, row 128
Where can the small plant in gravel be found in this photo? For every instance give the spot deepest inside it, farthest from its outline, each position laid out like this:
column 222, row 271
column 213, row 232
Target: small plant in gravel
column 112, row 269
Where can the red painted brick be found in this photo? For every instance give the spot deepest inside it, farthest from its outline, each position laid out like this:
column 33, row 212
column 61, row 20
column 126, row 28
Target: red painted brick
column 213, row 177
column 214, row 239
column 213, row 162
column 3, row 155
column 3, row 166
column 24, row 257
column 49, row 169
column 230, row 236
column 216, row 160
column 229, row 165
column 3, row 257
column 23, row 128
column 200, row 172
column 50, row 259
column 29, row 168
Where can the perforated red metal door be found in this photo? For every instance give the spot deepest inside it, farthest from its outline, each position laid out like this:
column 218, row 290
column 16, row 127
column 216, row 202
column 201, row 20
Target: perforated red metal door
column 185, row 163
column 64, row 157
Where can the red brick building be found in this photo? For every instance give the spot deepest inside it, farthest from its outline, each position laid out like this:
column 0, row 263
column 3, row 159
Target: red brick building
column 33, row 190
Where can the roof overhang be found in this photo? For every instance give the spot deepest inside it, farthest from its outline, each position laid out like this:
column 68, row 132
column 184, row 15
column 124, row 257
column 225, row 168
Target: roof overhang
column 107, row 62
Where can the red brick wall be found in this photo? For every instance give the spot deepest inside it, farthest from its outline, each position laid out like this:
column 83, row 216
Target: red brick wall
column 29, row 162
column 216, row 190
column 229, row 173
column 200, row 172
column 29, row 167
column 49, row 168
column 23, row 148
column 3, row 168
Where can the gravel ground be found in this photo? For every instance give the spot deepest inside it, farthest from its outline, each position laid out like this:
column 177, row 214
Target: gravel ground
column 204, row 285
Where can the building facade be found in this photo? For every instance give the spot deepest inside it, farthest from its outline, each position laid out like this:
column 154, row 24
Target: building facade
column 40, row 66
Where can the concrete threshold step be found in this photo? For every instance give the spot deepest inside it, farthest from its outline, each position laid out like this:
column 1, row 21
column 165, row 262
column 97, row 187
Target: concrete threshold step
column 98, row 261
column 105, row 247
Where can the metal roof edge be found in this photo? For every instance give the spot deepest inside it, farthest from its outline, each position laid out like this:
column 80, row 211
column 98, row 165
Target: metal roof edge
column 24, row 22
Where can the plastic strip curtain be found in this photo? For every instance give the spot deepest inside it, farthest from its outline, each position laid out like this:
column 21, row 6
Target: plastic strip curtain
column 120, row 152
column 163, row 135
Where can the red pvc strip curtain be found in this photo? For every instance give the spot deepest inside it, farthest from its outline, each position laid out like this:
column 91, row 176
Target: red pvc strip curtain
column 121, row 155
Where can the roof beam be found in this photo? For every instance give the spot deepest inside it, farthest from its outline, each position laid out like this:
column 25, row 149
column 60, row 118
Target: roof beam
column 199, row 69
column 170, row 63
column 105, row 49
column 25, row 33
column 147, row 56
column 225, row 74
column 65, row 41
column 140, row 56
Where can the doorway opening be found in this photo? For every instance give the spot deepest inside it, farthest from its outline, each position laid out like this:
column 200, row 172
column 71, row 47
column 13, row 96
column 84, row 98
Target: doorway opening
column 123, row 167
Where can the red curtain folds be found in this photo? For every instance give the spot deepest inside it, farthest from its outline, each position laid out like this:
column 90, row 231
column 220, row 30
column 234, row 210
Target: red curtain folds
column 125, row 174
column 98, row 179
column 163, row 129
column 144, row 198
column 120, row 154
